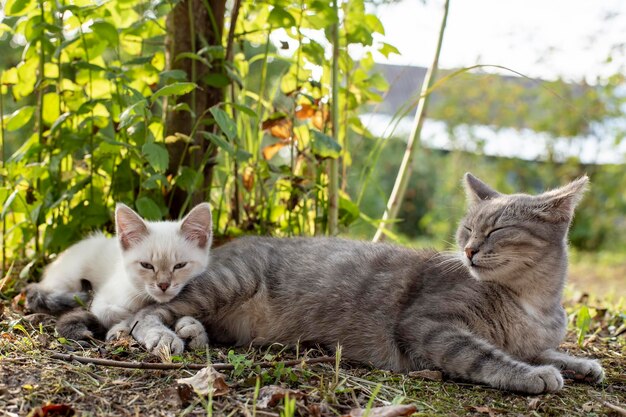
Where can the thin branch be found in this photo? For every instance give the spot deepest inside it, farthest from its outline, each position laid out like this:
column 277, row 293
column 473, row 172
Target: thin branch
column 195, row 366
column 404, row 172
column 333, row 167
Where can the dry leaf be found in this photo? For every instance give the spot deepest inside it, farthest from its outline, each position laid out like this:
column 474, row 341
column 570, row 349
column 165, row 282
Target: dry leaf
column 320, row 118
column 19, row 302
column 52, row 410
column 305, row 111
column 248, row 176
column 533, row 404
column 271, row 150
column 427, row 374
column 486, row 410
column 270, row 395
column 386, row 411
column 206, row 381
column 282, row 130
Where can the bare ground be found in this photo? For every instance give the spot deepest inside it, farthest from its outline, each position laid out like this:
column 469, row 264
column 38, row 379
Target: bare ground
column 30, row 380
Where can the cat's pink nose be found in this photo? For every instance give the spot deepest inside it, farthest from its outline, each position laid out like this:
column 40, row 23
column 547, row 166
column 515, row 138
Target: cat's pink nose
column 163, row 286
column 470, row 252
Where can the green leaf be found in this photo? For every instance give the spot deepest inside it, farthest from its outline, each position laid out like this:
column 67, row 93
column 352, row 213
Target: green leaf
column 148, row 209
column 18, row 7
column 387, row 49
column 174, row 89
column 583, row 320
column 280, row 17
column 188, row 179
column 106, row 31
column 157, row 155
column 20, row 117
column 348, row 211
column 219, row 141
column 225, row 123
column 216, row 79
column 324, row 146
column 244, row 109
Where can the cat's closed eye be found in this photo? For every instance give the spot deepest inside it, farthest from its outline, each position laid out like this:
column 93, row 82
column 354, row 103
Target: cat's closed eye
column 146, row 265
column 496, row 230
column 180, row 265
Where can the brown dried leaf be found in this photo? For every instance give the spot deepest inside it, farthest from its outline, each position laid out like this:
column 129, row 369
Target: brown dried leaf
column 534, row 403
column 270, row 395
column 19, row 302
column 386, row 411
column 427, row 374
column 320, row 118
column 486, row 410
column 206, row 381
column 52, row 410
column 248, row 176
column 273, row 121
column 271, row 150
column 305, row 111
column 282, row 130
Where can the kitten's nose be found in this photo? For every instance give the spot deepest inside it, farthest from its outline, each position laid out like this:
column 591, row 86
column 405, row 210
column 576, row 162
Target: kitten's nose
column 163, row 286
column 470, row 252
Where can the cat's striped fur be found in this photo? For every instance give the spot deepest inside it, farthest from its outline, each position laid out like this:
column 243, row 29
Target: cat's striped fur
column 488, row 314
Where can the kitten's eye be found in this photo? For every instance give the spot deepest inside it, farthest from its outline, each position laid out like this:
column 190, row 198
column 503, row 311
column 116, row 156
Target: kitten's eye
column 180, row 265
column 494, row 230
column 468, row 229
column 147, row 265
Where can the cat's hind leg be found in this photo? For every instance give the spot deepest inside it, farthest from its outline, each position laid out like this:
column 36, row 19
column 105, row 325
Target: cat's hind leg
column 460, row 354
column 80, row 325
column 43, row 300
column 193, row 332
column 580, row 369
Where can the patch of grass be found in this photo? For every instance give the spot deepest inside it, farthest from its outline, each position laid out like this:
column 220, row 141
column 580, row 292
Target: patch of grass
column 30, row 378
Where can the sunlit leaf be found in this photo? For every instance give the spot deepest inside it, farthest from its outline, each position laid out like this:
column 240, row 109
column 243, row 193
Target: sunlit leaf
column 18, row 7
column 271, row 150
column 106, row 31
column 174, row 89
column 279, row 17
column 20, row 117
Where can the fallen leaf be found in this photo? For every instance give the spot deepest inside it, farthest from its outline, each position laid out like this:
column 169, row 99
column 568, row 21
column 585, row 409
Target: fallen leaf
column 486, row 410
column 19, row 302
column 52, row 410
column 427, row 374
column 305, row 111
column 206, row 381
column 270, row 395
column 248, row 176
column 533, row 404
column 271, row 150
column 386, row 411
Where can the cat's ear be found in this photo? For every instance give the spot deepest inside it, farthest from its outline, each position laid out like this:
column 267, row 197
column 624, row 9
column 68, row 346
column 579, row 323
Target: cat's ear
column 130, row 227
column 476, row 190
column 197, row 226
column 558, row 205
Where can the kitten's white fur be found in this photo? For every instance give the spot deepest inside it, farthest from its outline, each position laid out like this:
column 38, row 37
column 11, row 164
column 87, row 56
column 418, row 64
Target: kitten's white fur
column 176, row 251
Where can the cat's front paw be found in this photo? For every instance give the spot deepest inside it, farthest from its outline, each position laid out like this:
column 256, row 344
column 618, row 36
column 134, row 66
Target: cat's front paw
column 193, row 331
column 158, row 341
column 586, row 370
column 118, row 331
column 535, row 380
column 542, row 379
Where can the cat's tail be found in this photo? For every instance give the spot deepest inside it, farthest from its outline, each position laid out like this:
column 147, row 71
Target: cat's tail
column 80, row 325
column 40, row 300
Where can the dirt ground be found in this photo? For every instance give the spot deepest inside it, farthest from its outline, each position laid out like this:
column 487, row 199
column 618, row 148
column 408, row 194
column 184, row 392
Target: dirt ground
column 34, row 383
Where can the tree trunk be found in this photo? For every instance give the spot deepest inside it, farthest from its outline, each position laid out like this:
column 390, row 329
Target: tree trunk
column 190, row 27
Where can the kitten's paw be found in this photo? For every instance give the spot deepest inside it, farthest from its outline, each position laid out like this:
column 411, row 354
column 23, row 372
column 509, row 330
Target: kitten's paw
column 193, row 331
column 156, row 341
column 586, row 370
column 118, row 331
column 542, row 379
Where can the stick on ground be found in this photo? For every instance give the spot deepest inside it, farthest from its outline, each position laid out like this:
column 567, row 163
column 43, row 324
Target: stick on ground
column 196, row 366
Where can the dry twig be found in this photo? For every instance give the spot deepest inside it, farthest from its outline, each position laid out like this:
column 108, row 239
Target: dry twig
column 196, row 366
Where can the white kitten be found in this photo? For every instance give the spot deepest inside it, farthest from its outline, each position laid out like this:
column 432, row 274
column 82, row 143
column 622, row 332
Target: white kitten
column 146, row 262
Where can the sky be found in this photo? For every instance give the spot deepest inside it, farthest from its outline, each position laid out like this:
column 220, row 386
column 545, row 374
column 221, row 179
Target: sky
column 539, row 38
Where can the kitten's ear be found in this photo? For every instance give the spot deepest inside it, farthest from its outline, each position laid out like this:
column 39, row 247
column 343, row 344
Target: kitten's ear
column 558, row 205
column 198, row 225
column 130, row 227
column 476, row 190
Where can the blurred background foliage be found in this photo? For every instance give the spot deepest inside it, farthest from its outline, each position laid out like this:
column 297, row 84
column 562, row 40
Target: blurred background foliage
column 163, row 104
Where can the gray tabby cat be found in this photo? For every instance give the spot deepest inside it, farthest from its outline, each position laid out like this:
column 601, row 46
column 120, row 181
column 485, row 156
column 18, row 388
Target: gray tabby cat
column 490, row 313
